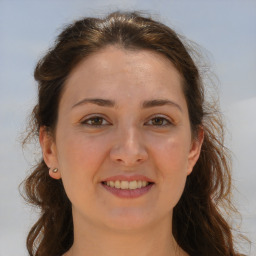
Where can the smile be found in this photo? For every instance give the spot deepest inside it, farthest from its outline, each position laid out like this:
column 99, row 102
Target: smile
column 123, row 184
column 128, row 189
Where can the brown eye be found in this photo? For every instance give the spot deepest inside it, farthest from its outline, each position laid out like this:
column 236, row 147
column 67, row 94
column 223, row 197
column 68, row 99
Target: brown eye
column 95, row 121
column 159, row 121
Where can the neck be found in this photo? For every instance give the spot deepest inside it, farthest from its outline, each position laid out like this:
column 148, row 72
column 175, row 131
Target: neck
column 150, row 241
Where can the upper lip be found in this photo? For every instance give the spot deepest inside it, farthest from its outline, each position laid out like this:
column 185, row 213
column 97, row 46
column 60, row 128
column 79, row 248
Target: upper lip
column 128, row 178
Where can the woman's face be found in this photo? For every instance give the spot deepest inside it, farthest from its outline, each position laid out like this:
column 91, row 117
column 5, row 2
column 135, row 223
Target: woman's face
column 122, row 121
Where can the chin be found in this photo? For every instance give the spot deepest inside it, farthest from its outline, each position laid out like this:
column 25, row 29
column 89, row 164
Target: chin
column 129, row 220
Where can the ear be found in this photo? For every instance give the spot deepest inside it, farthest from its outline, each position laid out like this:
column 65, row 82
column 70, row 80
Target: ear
column 48, row 147
column 195, row 149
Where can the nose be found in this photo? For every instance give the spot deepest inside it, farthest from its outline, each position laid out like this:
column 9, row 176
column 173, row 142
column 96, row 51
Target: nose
column 128, row 149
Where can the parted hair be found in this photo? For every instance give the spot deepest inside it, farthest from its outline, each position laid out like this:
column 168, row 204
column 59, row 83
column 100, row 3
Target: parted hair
column 199, row 225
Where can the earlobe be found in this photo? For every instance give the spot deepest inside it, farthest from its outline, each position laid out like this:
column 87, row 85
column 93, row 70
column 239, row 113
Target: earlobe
column 48, row 147
column 54, row 173
column 195, row 150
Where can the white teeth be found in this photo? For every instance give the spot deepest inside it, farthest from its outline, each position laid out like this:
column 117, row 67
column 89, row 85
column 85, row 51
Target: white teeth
column 127, row 184
column 124, row 184
column 133, row 184
column 117, row 184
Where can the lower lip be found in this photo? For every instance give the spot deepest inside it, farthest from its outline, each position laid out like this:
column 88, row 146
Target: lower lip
column 128, row 193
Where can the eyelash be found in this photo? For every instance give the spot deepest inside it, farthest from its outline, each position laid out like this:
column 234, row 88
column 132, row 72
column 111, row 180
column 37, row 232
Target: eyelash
column 104, row 122
column 164, row 120
column 86, row 121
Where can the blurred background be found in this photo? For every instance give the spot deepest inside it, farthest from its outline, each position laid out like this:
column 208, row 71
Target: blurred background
column 226, row 29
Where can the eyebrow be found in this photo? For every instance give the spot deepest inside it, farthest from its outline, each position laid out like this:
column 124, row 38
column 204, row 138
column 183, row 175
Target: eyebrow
column 111, row 103
column 160, row 102
column 99, row 102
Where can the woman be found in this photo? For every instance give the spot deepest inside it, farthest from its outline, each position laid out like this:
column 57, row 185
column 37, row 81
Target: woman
column 133, row 157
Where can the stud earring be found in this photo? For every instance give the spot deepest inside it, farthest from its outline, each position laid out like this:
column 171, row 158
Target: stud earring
column 55, row 170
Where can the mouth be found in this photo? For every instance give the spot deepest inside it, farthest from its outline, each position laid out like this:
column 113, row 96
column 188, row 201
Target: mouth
column 128, row 187
column 124, row 184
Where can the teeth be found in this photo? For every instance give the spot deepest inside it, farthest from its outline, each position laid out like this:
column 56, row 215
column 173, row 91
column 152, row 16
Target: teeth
column 127, row 184
column 133, row 184
column 117, row 184
column 124, row 184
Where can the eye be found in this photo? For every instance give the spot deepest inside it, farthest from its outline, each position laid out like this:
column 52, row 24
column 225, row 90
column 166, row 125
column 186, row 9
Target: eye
column 159, row 121
column 95, row 121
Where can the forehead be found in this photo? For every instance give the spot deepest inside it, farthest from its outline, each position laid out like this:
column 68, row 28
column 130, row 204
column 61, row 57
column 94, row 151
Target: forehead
column 131, row 73
column 113, row 59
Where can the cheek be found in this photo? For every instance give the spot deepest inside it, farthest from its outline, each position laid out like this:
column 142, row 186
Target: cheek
column 79, row 159
column 171, row 159
column 172, row 153
column 79, row 151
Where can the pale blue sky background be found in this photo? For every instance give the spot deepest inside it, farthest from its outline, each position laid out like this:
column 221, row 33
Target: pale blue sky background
column 226, row 28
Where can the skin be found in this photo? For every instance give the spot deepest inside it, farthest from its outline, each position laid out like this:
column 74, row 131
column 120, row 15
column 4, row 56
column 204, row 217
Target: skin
column 128, row 139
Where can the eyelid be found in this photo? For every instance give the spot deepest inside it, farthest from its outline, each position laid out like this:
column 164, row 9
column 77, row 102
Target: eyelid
column 92, row 116
column 160, row 116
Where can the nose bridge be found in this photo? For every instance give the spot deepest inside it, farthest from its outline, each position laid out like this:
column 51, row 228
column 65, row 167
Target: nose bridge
column 130, row 137
column 129, row 147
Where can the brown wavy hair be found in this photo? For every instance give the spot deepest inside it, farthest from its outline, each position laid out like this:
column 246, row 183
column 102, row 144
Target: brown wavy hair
column 199, row 226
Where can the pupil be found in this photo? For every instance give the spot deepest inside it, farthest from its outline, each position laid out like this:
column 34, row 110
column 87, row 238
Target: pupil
column 157, row 121
column 97, row 120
